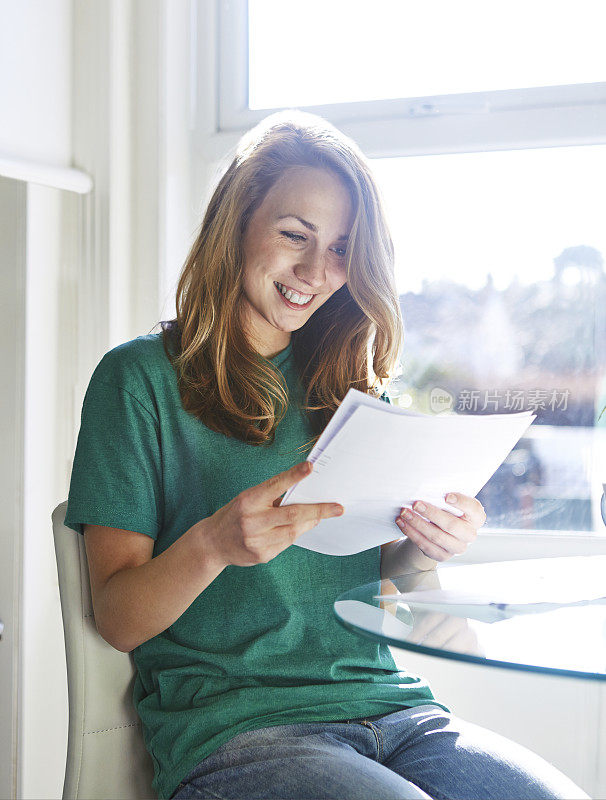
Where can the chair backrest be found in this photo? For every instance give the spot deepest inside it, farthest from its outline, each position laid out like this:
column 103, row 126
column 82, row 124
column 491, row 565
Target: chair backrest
column 106, row 754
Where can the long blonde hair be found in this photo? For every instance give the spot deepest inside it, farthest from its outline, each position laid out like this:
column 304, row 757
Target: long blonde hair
column 352, row 340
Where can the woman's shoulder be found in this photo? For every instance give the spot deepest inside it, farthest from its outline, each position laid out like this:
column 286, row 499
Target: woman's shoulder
column 136, row 365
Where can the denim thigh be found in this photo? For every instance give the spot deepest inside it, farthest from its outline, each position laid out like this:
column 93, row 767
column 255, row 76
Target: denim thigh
column 452, row 759
column 421, row 752
column 303, row 761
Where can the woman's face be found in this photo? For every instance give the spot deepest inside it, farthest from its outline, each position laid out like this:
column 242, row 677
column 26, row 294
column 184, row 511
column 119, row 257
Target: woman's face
column 295, row 241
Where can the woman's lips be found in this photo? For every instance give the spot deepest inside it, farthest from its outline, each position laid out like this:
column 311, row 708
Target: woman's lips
column 298, row 306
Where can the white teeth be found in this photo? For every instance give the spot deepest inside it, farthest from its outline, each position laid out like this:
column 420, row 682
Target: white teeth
column 294, row 297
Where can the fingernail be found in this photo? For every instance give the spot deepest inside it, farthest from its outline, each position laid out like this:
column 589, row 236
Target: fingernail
column 407, row 514
column 337, row 510
column 451, row 498
column 420, row 507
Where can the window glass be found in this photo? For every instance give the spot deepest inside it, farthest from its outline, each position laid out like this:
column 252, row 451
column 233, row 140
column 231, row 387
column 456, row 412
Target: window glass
column 502, row 282
column 349, row 50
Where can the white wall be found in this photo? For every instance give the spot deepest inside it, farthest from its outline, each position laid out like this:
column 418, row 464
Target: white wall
column 36, row 111
column 44, row 681
column 35, row 80
column 103, row 86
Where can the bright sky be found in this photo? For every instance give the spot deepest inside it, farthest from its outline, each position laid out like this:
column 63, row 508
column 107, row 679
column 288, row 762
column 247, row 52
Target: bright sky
column 344, row 50
column 462, row 215
column 506, row 212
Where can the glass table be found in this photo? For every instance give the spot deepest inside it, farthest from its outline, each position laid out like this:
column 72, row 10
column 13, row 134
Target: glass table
column 568, row 640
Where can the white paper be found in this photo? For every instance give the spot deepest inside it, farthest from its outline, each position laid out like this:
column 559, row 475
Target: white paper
column 491, row 612
column 374, row 458
column 496, row 591
column 540, row 592
column 487, row 609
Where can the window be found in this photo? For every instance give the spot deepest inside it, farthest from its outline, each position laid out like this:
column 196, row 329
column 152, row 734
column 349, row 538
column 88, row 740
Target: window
column 491, row 171
column 502, row 280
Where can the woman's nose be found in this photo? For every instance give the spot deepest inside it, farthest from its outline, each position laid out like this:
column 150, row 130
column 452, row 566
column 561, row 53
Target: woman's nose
column 312, row 270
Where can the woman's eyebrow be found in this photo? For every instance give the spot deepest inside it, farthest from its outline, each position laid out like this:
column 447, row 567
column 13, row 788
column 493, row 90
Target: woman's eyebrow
column 310, row 225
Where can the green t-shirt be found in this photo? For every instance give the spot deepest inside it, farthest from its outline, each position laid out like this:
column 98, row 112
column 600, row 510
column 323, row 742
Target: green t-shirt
column 261, row 645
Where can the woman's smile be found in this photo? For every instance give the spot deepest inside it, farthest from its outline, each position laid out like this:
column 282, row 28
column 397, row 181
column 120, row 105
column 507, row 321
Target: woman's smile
column 292, row 298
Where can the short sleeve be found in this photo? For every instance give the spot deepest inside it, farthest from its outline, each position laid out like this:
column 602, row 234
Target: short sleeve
column 116, row 477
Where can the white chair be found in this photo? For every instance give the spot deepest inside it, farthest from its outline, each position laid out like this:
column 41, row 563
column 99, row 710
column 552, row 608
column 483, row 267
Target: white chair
column 106, row 754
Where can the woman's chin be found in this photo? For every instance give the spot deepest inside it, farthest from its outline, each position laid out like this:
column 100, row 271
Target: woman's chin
column 288, row 326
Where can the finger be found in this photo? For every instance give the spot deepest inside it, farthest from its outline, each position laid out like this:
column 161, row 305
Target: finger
column 474, row 511
column 436, row 628
column 425, row 622
column 273, row 487
column 429, row 548
column 447, row 521
column 301, row 513
column 467, row 642
column 452, row 633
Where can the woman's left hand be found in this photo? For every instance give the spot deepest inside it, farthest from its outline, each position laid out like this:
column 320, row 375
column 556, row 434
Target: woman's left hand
column 440, row 534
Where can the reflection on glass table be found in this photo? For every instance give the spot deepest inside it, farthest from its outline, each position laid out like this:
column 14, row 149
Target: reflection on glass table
column 568, row 639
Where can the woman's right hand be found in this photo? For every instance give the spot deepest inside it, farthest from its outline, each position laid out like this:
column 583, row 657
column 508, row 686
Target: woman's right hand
column 253, row 528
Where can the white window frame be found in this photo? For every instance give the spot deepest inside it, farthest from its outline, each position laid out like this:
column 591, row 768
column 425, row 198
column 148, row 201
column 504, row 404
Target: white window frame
column 553, row 116
column 549, row 116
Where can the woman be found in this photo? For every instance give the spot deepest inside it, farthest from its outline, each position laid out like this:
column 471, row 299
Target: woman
column 246, row 684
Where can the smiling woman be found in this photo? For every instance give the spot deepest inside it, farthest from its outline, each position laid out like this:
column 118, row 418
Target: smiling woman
column 294, row 249
column 247, row 686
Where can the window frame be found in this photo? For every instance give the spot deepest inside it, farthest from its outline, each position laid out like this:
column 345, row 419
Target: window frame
column 548, row 116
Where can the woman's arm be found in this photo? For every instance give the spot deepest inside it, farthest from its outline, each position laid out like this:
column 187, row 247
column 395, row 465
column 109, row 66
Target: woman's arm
column 138, row 602
column 402, row 556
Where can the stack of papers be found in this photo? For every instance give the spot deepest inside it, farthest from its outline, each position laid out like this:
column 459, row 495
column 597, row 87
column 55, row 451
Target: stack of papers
column 499, row 590
column 492, row 607
column 374, row 458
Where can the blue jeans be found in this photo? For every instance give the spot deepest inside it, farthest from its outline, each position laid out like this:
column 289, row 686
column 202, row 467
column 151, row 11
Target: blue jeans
column 421, row 752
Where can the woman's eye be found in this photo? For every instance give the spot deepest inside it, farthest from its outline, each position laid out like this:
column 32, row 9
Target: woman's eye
column 294, row 236
column 297, row 237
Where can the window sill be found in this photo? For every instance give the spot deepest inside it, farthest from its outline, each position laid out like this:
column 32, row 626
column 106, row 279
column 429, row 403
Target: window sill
column 503, row 544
